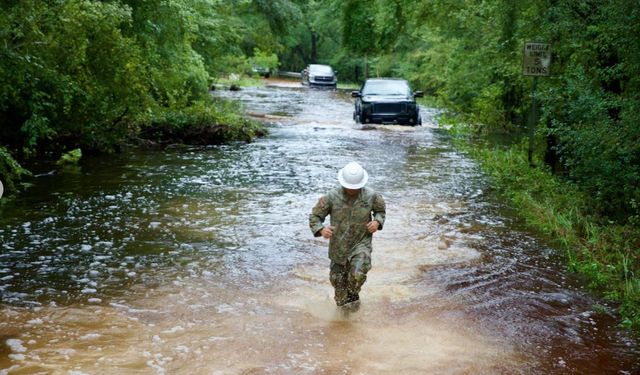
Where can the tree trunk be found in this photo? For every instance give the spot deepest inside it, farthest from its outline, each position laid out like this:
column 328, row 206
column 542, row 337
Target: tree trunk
column 510, row 98
column 314, row 47
column 551, row 157
column 366, row 67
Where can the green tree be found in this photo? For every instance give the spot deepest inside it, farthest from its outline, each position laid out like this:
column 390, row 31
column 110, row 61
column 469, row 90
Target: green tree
column 358, row 29
column 92, row 74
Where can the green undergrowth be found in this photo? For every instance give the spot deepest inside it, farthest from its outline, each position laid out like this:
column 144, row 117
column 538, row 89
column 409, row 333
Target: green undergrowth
column 204, row 122
column 605, row 252
column 429, row 101
column 348, row 86
column 10, row 170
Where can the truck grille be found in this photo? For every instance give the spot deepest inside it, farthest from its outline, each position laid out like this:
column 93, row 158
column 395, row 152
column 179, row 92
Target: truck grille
column 324, row 79
column 389, row 108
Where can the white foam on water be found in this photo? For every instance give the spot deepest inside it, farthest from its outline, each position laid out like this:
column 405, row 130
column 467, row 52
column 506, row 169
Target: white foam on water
column 175, row 329
column 181, row 349
column 6, row 371
column 90, row 336
column 16, row 345
column 17, row 357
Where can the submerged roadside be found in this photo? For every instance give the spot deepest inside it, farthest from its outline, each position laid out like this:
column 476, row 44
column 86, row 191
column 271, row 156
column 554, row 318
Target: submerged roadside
column 209, row 121
column 603, row 251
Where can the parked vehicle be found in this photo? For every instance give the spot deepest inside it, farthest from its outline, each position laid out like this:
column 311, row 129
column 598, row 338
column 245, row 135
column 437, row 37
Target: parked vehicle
column 261, row 71
column 319, row 75
column 387, row 101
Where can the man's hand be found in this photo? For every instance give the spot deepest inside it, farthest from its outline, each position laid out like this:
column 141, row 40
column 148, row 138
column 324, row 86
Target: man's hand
column 327, row 231
column 373, row 226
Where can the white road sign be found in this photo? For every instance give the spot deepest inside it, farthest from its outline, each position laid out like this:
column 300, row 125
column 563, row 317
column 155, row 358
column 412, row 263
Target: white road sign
column 537, row 59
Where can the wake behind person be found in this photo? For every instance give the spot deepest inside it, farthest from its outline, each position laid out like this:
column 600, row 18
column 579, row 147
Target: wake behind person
column 355, row 214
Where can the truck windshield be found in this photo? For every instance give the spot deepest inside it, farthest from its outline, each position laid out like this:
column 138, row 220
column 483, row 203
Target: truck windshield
column 386, row 88
column 320, row 70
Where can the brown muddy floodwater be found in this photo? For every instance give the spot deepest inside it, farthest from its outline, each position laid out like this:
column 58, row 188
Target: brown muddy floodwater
column 198, row 260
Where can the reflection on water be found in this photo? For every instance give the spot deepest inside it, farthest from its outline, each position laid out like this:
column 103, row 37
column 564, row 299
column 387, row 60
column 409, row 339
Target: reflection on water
column 198, row 260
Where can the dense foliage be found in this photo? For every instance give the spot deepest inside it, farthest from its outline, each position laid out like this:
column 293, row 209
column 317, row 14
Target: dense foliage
column 95, row 74
column 469, row 56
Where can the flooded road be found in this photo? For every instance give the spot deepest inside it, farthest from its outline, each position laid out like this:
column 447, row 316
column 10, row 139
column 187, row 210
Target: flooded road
column 199, row 260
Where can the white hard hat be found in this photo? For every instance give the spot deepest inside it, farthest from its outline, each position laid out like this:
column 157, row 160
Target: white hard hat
column 353, row 176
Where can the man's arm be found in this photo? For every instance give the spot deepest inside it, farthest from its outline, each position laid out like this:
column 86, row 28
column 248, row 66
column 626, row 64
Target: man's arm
column 379, row 209
column 318, row 214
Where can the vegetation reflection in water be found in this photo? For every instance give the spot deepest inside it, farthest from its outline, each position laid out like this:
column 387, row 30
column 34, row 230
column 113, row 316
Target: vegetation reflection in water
column 198, row 260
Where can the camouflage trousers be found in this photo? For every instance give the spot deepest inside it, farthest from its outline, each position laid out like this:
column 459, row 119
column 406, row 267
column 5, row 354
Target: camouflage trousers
column 347, row 279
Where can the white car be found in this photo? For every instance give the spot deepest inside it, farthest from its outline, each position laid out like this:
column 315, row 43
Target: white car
column 319, row 75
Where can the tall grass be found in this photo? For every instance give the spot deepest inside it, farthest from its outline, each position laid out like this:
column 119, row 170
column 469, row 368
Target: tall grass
column 607, row 253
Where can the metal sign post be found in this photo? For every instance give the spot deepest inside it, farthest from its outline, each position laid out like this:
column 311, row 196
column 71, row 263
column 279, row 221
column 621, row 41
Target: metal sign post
column 536, row 63
column 533, row 119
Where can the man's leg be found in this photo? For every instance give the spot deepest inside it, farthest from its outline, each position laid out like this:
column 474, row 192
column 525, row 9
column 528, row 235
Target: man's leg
column 338, row 276
column 359, row 265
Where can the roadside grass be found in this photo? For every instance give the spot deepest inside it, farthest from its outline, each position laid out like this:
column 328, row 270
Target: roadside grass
column 348, row 86
column 428, row 101
column 607, row 253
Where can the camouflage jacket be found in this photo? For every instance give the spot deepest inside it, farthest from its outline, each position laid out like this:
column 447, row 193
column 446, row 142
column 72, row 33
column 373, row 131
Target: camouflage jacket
column 350, row 218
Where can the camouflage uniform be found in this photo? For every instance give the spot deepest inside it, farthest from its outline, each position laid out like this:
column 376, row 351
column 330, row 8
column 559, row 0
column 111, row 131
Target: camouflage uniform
column 350, row 244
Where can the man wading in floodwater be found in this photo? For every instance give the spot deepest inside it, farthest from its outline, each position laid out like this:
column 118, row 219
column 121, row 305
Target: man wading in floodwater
column 356, row 213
